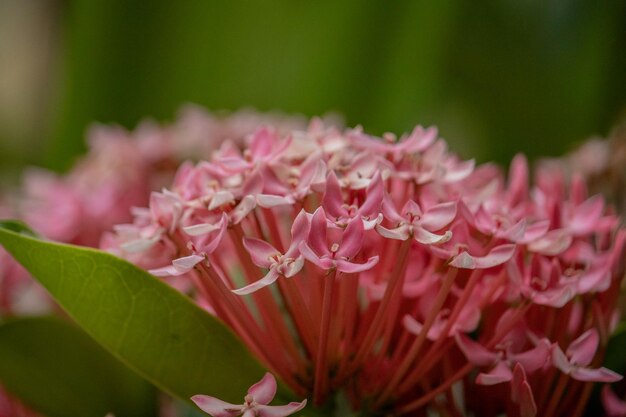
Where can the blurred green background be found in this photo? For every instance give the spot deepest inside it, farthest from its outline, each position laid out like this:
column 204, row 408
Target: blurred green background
column 496, row 76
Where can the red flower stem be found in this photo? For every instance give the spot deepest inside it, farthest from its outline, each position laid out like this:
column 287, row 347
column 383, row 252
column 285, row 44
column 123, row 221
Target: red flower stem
column 215, row 302
column 270, row 221
column 453, row 408
column 266, row 305
column 427, row 362
column 404, row 366
column 541, row 396
column 257, row 226
column 426, row 365
column 350, row 312
column 314, row 282
column 300, row 314
column 582, row 400
column 400, row 352
column 321, row 371
column 602, row 327
column 562, row 324
column 210, row 284
column 290, row 292
column 586, row 387
column 377, row 323
column 555, row 396
column 505, row 328
column 266, row 343
column 425, row 399
column 225, row 313
column 248, row 327
column 501, row 280
column 388, row 260
column 336, row 330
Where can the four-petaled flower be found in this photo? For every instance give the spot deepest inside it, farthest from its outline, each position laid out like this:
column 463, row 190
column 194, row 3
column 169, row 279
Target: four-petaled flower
column 339, row 256
column 413, row 223
column 267, row 256
column 578, row 356
column 255, row 402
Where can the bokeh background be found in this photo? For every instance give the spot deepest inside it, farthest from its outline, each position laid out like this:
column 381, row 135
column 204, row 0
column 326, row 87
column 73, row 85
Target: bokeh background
column 496, row 76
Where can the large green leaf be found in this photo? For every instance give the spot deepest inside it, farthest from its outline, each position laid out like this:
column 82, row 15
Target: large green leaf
column 59, row 371
column 148, row 325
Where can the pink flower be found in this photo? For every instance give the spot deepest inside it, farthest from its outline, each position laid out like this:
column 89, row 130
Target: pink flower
column 578, row 356
column 265, row 255
column 521, row 392
column 613, row 405
column 496, row 256
column 340, row 254
column 503, row 360
column 413, row 223
column 437, row 249
column 341, row 213
column 255, row 403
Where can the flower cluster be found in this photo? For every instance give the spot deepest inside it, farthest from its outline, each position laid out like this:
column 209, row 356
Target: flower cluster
column 118, row 173
column 391, row 272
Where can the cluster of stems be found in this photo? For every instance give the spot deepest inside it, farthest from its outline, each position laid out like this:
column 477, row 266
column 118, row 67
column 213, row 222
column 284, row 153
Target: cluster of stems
column 392, row 273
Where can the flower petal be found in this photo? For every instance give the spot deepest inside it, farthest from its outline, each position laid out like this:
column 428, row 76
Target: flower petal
column 501, row 373
column 166, row 271
column 214, row 242
column 399, row 233
column 245, row 206
column 300, row 228
column 527, row 405
column 595, row 375
column 260, row 251
column 352, row 239
column 280, row 410
column 220, row 198
column 375, row 191
column 582, row 350
column 352, row 268
column 187, row 263
column 496, row 256
column 560, row 361
column 586, row 216
column 552, row 243
column 317, row 233
column 534, row 358
column 425, row 237
column 438, row 216
column 264, row 391
column 269, row 200
column 201, row 229
column 268, row 279
column 140, row 245
column 294, row 267
column 476, row 353
column 613, row 405
column 333, row 199
column 323, row 262
column 215, row 407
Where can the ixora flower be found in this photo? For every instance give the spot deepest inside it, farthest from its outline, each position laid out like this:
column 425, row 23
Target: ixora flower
column 118, row 173
column 392, row 273
column 255, row 402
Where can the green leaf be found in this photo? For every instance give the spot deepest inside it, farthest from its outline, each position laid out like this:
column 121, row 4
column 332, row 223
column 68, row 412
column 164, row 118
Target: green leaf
column 18, row 227
column 58, row 370
column 615, row 358
column 148, row 325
